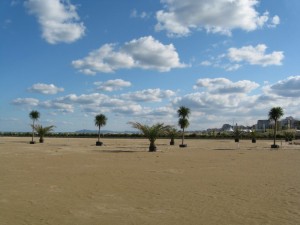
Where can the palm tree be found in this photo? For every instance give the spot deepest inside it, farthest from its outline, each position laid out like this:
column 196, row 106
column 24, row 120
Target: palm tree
column 183, row 114
column 42, row 131
column 237, row 133
column 275, row 114
column 151, row 132
column 253, row 136
column 34, row 115
column 172, row 132
column 100, row 121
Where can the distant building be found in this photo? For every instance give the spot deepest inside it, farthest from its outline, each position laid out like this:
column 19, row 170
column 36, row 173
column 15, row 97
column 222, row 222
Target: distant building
column 289, row 123
column 262, row 125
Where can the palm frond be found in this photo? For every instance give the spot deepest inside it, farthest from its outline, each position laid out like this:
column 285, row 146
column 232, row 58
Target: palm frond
column 151, row 132
column 100, row 120
column 42, row 131
column 183, row 123
column 183, row 112
column 275, row 113
column 34, row 115
column 172, row 132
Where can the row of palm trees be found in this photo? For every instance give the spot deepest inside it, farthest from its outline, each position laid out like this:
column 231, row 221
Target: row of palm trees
column 41, row 131
column 150, row 132
column 154, row 131
column 274, row 114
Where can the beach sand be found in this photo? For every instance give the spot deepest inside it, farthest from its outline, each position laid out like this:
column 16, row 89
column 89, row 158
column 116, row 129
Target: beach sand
column 68, row 181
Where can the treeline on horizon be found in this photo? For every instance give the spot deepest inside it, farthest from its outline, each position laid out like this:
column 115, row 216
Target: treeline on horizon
column 210, row 135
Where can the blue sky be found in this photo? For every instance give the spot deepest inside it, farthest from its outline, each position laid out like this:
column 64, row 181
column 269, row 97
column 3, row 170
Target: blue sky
column 229, row 61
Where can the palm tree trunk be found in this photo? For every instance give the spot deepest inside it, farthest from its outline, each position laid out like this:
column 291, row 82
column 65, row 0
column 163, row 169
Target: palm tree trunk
column 32, row 130
column 182, row 139
column 152, row 147
column 99, row 135
column 275, row 132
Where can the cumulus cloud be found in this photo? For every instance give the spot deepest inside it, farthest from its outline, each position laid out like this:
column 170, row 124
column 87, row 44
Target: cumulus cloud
column 112, row 85
column 275, row 22
column 209, row 103
column 58, row 19
column 47, row 89
column 255, row 55
column 94, row 98
column 144, row 53
column 58, row 106
column 226, row 101
column 290, row 87
column 26, row 101
column 218, row 94
column 179, row 17
column 235, row 58
column 149, row 95
column 214, row 101
column 32, row 102
column 225, row 86
column 96, row 102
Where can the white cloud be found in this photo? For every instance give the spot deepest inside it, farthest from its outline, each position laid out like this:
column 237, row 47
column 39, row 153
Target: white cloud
column 149, row 95
column 275, row 21
column 145, row 53
column 206, row 63
column 94, row 98
column 112, row 85
column 215, row 102
column 32, row 102
column 179, row 17
column 289, row 87
column 225, row 86
column 47, row 89
column 96, row 102
column 227, row 101
column 255, row 55
column 218, row 95
column 132, row 109
column 60, row 107
column 231, row 67
column 125, row 104
column 235, row 58
column 58, row 19
column 142, row 15
column 26, row 101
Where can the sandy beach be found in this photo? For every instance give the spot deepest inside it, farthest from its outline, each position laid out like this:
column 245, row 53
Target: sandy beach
column 68, row 181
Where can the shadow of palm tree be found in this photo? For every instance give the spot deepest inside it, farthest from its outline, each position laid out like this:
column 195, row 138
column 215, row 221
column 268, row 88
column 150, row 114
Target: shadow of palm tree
column 117, row 151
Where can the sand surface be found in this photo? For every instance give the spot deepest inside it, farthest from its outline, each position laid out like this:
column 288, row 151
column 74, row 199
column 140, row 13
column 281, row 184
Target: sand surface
column 73, row 182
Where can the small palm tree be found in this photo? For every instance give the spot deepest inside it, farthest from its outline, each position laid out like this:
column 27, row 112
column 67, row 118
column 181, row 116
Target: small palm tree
column 34, row 115
column 100, row 121
column 253, row 136
column 151, row 132
column 237, row 133
column 183, row 114
column 289, row 135
column 42, row 131
column 275, row 114
column 172, row 133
